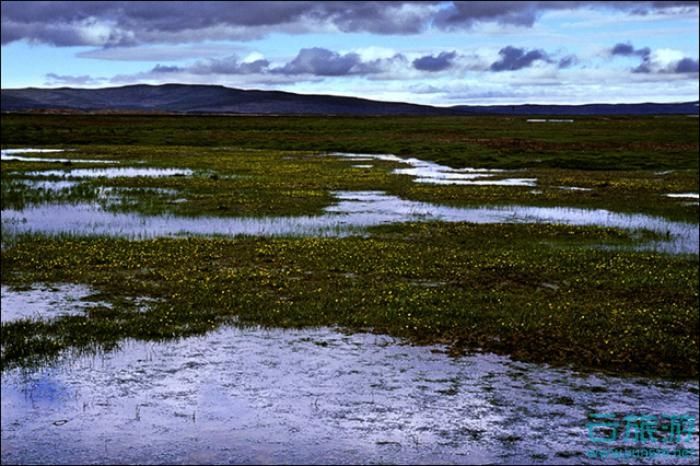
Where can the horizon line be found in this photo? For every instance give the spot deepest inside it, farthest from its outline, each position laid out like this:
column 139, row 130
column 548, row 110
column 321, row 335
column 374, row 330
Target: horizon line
column 355, row 96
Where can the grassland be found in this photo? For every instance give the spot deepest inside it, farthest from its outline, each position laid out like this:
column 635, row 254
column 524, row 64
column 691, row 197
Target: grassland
column 272, row 182
column 617, row 156
column 590, row 143
column 538, row 292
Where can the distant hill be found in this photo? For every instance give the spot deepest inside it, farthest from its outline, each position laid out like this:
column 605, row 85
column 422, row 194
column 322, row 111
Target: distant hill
column 187, row 98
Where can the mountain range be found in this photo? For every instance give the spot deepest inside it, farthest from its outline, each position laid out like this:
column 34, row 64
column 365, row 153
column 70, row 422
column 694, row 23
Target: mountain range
column 214, row 99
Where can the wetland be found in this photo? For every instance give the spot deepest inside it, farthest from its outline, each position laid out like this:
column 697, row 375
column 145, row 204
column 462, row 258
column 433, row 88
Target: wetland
column 399, row 281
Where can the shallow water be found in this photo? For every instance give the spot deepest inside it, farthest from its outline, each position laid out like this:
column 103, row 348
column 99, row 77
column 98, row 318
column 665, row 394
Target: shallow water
column 550, row 120
column 121, row 172
column 428, row 172
column 47, row 185
column 500, row 182
column 29, row 150
column 312, row 396
column 574, row 188
column 8, row 155
column 44, row 302
column 353, row 211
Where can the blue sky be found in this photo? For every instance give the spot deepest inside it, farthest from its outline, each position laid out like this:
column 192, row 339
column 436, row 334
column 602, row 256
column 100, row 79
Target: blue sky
column 441, row 53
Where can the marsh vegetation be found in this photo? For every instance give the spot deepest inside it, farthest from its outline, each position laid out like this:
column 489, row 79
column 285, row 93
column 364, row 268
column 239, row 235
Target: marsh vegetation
column 509, row 286
column 191, row 226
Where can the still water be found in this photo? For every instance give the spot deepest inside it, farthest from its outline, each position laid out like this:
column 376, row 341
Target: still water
column 353, row 211
column 253, row 395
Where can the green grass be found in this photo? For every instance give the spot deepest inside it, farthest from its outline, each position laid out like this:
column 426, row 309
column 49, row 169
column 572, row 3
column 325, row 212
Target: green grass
column 590, row 143
column 538, row 292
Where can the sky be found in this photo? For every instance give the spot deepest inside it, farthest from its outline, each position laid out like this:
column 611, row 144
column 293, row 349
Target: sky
column 429, row 52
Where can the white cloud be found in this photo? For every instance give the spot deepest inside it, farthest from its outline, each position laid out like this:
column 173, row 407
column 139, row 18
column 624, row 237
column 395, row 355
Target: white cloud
column 374, row 53
column 664, row 58
column 252, row 57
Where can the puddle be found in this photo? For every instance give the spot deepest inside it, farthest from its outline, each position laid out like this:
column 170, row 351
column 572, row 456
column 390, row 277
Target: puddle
column 502, row 182
column 352, row 212
column 574, row 188
column 28, row 150
column 433, row 173
column 146, row 189
column 549, row 120
column 122, row 172
column 312, row 396
column 684, row 195
column 91, row 219
column 44, row 302
column 47, row 185
column 9, row 155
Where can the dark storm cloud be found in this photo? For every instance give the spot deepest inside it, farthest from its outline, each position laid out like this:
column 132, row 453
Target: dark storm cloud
column 128, row 23
column 525, row 13
column 647, row 65
column 431, row 63
column 59, row 34
column 683, row 66
column 460, row 14
column 108, row 23
column 567, row 61
column 166, row 69
column 622, row 49
column 687, row 65
column 627, row 50
column 644, row 67
column 514, row 58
